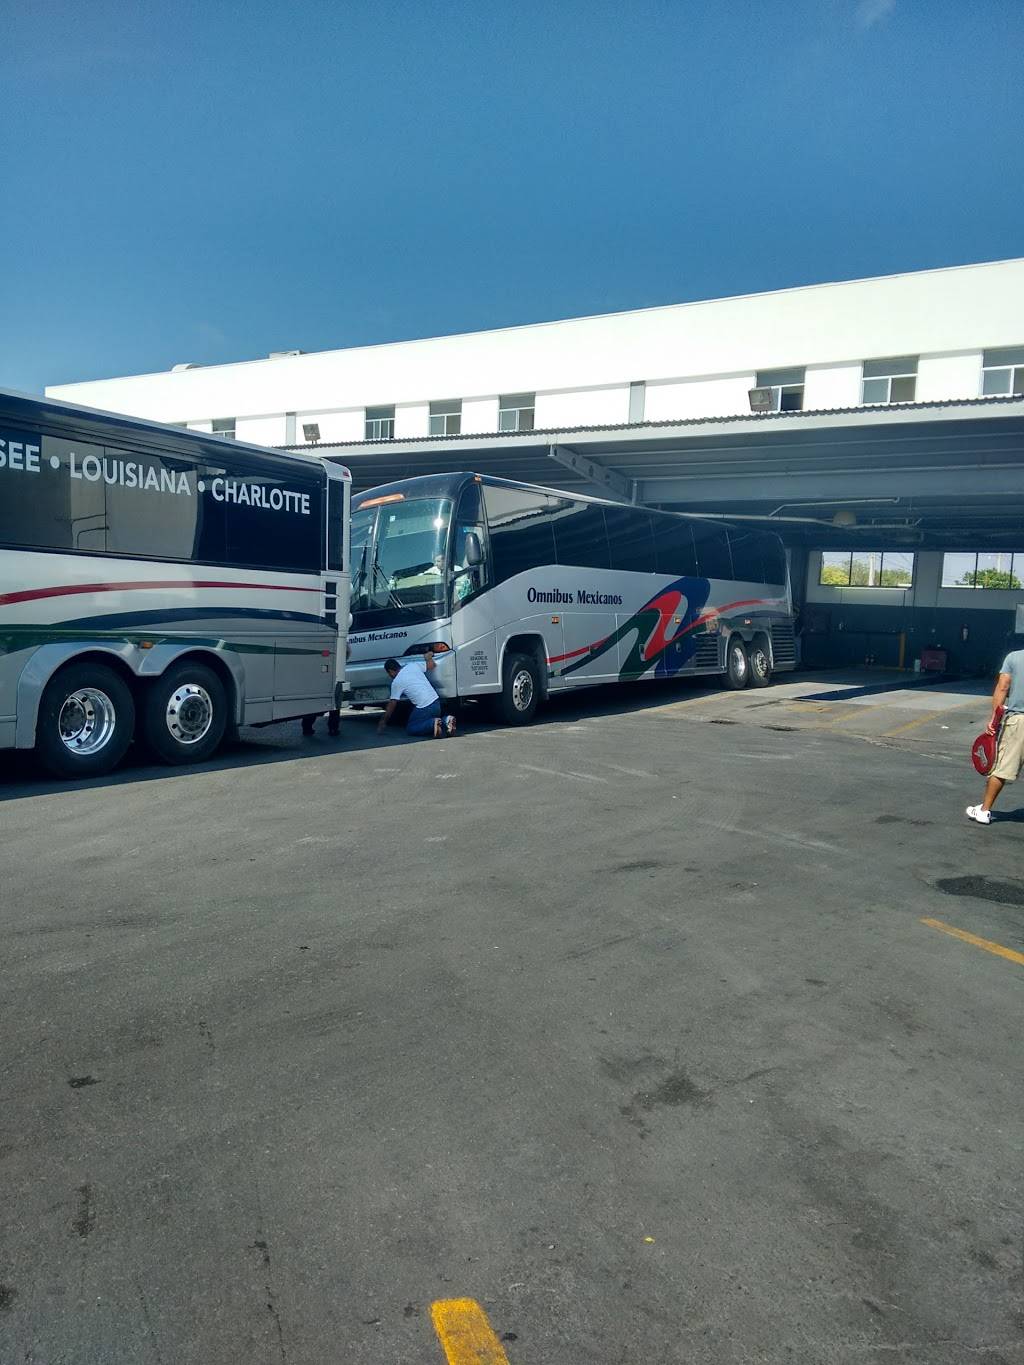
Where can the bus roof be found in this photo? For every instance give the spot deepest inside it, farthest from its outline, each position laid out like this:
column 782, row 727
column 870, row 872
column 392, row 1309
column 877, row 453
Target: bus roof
column 61, row 417
column 450, row 485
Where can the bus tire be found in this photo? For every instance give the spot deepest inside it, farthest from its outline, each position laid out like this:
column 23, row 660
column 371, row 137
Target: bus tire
column 86, row 721
column 520, row 690
column 760, row 660
column 737, row 665
column 185, row 713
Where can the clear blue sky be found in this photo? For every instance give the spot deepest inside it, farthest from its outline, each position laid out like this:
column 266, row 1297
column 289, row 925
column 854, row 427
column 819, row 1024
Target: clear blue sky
column 211, row 181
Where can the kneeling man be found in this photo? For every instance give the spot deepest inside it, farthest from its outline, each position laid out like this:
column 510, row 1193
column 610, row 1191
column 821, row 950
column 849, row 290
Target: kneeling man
column 411, row 681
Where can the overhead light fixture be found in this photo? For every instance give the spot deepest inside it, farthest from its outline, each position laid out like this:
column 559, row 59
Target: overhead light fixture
column 311, row 431
column 761, row 400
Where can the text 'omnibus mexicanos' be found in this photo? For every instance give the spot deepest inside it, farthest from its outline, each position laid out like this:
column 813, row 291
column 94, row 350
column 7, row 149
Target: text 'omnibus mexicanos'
column 524, row 591
column 160, row 583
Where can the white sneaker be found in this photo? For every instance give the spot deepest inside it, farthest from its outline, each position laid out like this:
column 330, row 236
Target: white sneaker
column 980, row 814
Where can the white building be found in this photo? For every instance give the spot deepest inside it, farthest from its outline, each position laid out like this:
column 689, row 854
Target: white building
column 929, row 336
column 892, row 465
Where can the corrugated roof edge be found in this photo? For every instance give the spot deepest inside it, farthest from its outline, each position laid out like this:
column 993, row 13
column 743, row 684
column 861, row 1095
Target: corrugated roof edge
column 992, row 400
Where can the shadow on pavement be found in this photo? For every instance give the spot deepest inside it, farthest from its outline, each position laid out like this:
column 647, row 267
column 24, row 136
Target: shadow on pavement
column 21, row 777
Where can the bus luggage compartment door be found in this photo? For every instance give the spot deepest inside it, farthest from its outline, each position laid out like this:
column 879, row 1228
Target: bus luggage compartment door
column 586, row 656
column 304, row 674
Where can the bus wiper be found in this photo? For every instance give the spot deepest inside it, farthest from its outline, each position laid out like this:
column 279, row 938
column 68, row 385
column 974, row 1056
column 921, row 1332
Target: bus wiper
column 393, row 599
column 360, row 575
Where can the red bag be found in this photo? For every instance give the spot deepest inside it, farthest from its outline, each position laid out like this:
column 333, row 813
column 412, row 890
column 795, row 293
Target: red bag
column 986, row 746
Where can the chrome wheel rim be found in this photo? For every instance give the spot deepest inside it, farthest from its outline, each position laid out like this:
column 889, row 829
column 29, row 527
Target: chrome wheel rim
column 87, row 721
column 522, row 690
column 739, row 662
column 759, row 663
column 189, row 713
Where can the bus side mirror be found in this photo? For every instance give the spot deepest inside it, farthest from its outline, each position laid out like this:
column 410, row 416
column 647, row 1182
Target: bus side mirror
column 474, row 554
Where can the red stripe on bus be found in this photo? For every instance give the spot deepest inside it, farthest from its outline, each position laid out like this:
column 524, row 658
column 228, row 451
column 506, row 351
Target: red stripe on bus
column 708, row 616
column 75, row 589
column 558, row 658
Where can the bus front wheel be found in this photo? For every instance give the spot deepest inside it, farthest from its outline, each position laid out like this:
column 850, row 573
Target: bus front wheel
column 86, row 721
column 737, row 665
column 185, row 713
column 520, row 690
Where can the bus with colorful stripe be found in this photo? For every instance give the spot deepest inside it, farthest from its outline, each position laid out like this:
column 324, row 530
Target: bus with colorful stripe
column 160, row 585
column 522, row 591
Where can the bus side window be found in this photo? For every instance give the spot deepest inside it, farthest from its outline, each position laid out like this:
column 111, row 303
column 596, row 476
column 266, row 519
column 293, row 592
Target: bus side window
column 141, row 521
column 774, row 558
column 258, row 534
column 520, row 526
column 712, row 542
column 747, row 562
column 630, row 539
column 335, row 526
column 52, row 511
column 673, row 547
column 580, row 538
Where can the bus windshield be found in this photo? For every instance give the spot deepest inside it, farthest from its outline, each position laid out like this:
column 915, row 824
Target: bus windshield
column 398, row 561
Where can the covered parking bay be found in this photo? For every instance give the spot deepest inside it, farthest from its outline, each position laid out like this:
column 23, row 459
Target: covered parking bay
column 920, row 506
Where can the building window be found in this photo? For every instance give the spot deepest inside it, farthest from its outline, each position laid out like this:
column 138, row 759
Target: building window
column 224, row 426
column 867, row 569
column 380, row 423
column 987, row 569
column 787, row 388
column 1003, row 371
column 446, row 417
column 890, row 381
column 515, row 411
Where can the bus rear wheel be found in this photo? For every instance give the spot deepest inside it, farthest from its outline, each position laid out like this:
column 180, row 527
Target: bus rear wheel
column 760, row 664
column 86, row 721
column 520, row 690
column 185, row 713
column 737, row 665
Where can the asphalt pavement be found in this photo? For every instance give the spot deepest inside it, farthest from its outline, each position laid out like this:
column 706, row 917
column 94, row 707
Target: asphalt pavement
column 628, row 1026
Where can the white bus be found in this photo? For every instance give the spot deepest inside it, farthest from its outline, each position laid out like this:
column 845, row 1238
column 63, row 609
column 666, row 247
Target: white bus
column 524, row 591
column 160, row 584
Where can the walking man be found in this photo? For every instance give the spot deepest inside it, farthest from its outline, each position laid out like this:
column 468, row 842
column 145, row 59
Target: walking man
column 1010, row 755
column 426, row 721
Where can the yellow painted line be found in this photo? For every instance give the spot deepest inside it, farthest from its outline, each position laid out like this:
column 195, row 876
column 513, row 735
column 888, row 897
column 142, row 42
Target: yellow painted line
column 1009, row 953
column 912, row 724
column 464, row 1332
column 703, row 699
column 928, row 715
column 850, row 713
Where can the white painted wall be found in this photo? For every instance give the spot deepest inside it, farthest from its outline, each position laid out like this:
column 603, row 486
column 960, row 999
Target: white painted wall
column 592, row 407
column 698, row 359
column 832, row 386
column 948, row 376
column 262, row 431
column 334, row 426
column 480, row 414
column 412, row 419
column 699, row 398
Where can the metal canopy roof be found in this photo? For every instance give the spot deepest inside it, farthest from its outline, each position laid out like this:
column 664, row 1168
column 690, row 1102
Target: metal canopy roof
column 939, row 473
